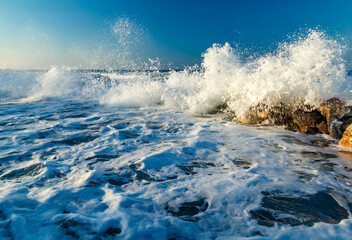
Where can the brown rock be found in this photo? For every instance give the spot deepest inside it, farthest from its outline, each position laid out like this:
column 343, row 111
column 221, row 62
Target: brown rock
column 243, row 120
column 323, row 128
column 332, row 107
column 253, row 116
column 346, row 139
column 307, row 122
column 281, row 115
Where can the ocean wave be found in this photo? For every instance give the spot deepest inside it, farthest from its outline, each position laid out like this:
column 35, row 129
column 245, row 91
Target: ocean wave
column 305, row 71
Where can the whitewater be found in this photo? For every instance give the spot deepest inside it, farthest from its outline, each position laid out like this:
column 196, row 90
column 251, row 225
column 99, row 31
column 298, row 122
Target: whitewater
column 93, row 154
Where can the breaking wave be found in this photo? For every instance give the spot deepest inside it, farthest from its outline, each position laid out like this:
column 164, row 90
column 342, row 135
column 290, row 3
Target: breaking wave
column 307, row 70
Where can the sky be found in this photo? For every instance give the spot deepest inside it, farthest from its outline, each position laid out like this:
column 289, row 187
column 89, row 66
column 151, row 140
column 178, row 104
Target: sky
column 115, row 34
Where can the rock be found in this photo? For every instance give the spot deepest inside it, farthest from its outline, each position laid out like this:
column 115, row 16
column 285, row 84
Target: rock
column 243, row 120
column 113, row 231
column 323, row 128
column 277, row 115
column 189, row 208
column 346, row 122
column 346, row 139
column 294, row 211
column 332, row 117
column 253, row 116
column 320, row 143
column 335, row 113
column 335, row 127
column 307, row 121
column 331, row 107
column 281, row 115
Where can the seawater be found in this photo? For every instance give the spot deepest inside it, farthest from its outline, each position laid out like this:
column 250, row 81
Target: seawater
column 138, row 155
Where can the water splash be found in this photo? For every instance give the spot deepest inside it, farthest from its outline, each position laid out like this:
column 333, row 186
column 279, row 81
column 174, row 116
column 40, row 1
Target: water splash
column 307, row 70
column 310, row 69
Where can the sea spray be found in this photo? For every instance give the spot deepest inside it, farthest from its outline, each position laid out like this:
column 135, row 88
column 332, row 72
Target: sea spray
column 306, row 71
column 310, row 69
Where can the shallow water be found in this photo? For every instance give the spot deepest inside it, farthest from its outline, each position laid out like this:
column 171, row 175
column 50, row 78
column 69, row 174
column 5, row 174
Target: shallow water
column 78, row 169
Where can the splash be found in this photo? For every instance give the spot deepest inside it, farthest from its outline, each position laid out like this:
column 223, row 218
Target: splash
column 308, row 70
column 305, row 71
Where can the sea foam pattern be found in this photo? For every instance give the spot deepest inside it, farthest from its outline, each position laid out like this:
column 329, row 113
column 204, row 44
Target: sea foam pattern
column 135, row 155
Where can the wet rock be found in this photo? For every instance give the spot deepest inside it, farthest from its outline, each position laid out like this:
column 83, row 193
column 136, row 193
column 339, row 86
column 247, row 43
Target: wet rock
column 293, row 140
column 346, row 123
column 323, row 128
column 327, row 166
column 188, row 170
column 102, row 157
column 191, row 169
column 320, row 155
column 331, row 117
column 305, row 177
column 92, row 183
column 263, row 114
column 267, row 219
column 307, row 121
column 346, row 139
column 253, row 117
column 331, row 107
column 338, row 116
column 189, row 208
column 307, row 210
column 245, row 164
column 320, row 143
column 117, row 182
column 113, row 231
column 335, row 127
column 140, row 175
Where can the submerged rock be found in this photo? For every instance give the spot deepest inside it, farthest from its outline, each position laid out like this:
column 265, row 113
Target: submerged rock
column 189, row 209
column 294, row 211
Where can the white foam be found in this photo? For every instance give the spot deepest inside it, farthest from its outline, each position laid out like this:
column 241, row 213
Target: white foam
column 309, row 69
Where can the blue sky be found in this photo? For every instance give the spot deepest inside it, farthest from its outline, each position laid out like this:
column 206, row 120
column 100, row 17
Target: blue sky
column 119, row 34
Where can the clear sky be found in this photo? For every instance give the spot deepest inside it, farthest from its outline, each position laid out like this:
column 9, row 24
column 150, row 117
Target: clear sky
column 120, row 33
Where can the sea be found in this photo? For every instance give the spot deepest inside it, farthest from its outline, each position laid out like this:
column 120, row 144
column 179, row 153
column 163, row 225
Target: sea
column 145, row 154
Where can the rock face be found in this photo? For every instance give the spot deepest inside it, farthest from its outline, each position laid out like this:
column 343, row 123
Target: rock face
column 346, row 139
column 332, row 117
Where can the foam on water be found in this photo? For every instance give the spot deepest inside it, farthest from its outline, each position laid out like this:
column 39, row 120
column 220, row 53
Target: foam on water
column 80, row 170
column 102, row 155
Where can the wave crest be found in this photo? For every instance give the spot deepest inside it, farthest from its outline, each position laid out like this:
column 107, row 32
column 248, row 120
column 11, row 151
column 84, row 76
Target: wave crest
column 306, row 71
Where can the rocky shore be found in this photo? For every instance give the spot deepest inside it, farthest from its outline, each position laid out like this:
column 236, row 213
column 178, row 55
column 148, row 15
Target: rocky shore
column 333, row 117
